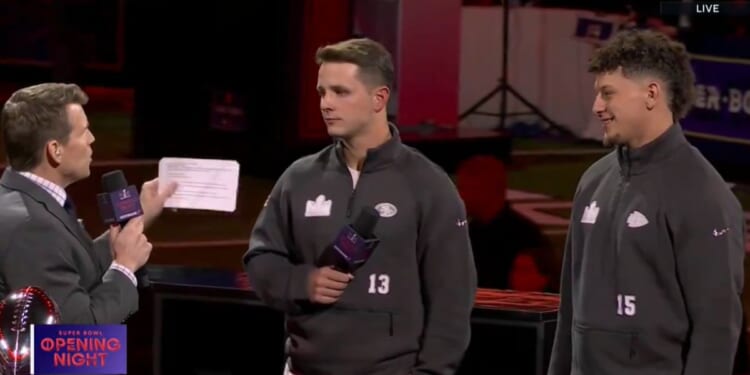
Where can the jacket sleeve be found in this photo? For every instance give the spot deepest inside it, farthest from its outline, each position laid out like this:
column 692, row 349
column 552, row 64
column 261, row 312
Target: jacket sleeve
column 274, row 276
column 449, row 280
column 709, row 246
column 36, row 259
column 561, row 349
column 103, row 250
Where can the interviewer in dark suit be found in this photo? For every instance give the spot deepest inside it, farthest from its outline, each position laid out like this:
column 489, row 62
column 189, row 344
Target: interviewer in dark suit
column 48, row 145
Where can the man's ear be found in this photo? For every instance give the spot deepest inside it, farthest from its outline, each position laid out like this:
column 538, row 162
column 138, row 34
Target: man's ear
column 380, row 98
column 53, row 152
column 653, row 94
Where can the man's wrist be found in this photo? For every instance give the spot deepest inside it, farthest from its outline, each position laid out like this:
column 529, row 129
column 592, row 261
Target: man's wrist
column 129, row 265
column 125, row 270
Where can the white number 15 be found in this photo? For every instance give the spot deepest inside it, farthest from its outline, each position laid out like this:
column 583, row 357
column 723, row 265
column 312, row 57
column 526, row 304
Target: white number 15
column 625, row 305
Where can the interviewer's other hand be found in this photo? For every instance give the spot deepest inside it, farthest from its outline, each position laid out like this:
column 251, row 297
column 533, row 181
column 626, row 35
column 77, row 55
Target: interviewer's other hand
column 153, row 198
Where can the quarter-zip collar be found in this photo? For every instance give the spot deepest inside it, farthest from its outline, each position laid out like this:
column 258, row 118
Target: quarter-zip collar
column 376, row 158
column 637, row 161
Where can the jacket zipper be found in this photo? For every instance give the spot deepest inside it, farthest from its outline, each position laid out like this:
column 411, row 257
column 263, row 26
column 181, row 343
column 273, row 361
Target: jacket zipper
column 617, row 216
column 618, row 195
column 350, row 202
column 623, row 181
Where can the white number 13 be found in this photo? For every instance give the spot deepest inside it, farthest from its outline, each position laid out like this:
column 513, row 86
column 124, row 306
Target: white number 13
column 379, row 284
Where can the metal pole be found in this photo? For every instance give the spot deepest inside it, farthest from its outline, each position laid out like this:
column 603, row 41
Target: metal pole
column 504, row 79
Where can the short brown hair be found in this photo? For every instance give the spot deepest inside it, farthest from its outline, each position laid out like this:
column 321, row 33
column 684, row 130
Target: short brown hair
column 373, row 59
column 649, row 52
column 35, row 115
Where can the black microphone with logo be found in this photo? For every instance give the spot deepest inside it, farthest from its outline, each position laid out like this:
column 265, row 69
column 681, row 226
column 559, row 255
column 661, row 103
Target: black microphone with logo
column 354, row 243
column 118, row 204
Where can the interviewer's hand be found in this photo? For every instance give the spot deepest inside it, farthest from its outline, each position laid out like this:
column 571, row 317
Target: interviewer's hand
column 129, row 245
column 326, row 285
column 153, row 198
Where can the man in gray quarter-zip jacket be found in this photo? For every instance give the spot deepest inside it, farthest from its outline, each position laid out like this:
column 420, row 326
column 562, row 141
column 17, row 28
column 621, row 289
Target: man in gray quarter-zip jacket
column 653, row 266
column 407, row 309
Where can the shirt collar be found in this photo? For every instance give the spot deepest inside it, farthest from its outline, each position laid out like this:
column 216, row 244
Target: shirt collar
column 55, row 190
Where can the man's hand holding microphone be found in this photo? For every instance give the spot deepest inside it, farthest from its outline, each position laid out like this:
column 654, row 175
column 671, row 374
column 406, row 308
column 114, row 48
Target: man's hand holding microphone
column 128, row 214
column 349, row 251
column 130, row 247
column 326, row 285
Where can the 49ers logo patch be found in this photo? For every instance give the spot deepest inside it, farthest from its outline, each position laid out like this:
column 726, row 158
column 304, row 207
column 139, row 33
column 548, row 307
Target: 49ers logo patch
column 386, row 209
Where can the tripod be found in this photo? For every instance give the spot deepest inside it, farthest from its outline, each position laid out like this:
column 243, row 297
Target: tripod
column 504, row 88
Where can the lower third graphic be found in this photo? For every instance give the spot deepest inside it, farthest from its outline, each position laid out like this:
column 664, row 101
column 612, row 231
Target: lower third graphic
column 79, row 349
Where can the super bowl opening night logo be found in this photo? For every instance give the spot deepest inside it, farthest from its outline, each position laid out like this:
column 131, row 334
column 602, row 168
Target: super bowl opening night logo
column 70, row 349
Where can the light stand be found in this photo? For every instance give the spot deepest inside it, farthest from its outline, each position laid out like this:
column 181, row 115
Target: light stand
column 504, row 88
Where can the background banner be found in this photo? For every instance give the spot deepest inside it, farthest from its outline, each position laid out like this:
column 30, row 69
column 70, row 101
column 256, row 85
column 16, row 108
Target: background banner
column 548, row 60
column 722, row 105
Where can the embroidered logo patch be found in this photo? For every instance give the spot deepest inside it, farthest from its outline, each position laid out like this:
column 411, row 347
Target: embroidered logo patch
column 386, row 209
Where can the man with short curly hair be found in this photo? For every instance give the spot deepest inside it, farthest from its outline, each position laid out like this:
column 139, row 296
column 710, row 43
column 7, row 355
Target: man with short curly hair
column 653, row 265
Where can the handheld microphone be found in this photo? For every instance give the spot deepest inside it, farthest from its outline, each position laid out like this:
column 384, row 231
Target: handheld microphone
column 354, row 243
column 118, row 204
